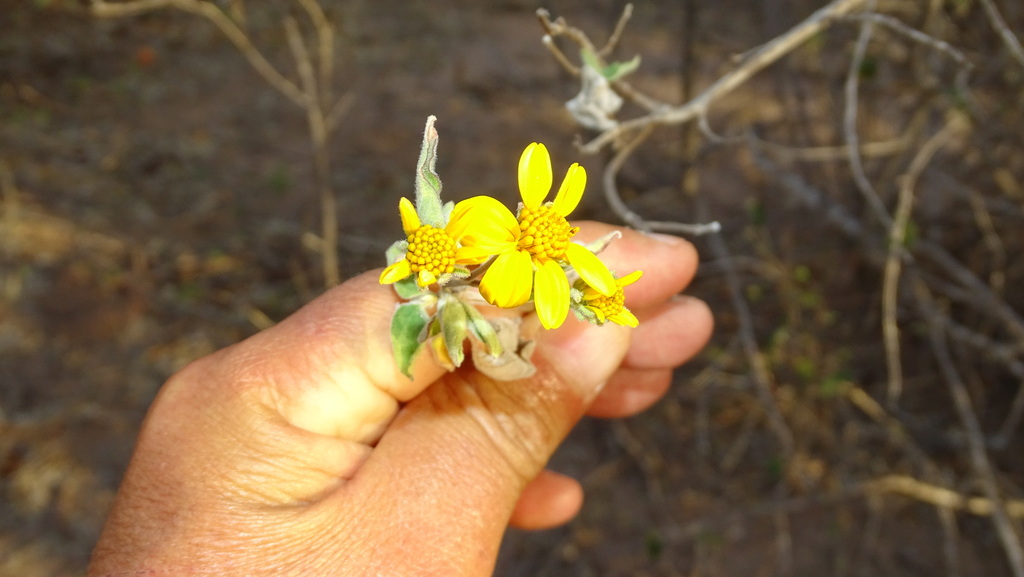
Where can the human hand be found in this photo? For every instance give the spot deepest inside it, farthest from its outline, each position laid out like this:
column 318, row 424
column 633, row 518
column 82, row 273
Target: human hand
column 303, row 451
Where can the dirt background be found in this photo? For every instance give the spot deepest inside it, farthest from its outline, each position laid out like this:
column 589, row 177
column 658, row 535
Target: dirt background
column 158, row 205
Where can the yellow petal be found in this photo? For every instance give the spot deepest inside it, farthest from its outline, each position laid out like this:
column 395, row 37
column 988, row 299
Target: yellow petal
column 410, row 220
column 425, row 278
column 534, row 175
column 441, row 353
column 591, row 269
column 484, row 222
column 625, row 318
column 630, row 278
column 509, row 280
column 470, row 255
column 551, row 294
column 395, row 272
column 571, row 190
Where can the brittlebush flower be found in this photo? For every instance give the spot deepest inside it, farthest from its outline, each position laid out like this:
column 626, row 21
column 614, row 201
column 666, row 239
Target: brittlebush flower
column 434, row 254
column 538, row 243
column 612, row 308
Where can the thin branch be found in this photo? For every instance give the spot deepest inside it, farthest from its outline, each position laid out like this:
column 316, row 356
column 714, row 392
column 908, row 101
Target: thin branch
column 850, row 90
column 894, row 260
column 759, row 366
column 634, row 220
column 620, row 27
column 916, row 35
column 227, row 26
column 558, row 27
column 1007, row 355
column 976, row 449
column 325, row 47
column 611, row 190
column 832, row 153
column 560, row 57
column 982, row 217
column 945, row 498
column 693, row 229
column 318, row 129
column 898, row 484
column 758, row 60
column 1011, row 41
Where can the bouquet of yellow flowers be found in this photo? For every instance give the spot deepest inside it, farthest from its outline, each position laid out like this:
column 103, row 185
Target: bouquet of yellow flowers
column 458, row 258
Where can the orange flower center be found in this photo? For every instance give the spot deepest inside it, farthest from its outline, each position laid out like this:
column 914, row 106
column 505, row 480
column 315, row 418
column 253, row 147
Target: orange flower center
column 545, row 233
column 431, row 249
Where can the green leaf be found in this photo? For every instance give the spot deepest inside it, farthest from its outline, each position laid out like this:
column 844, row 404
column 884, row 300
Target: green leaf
column 408, row 289
column 617, row 70
column 446, row 211
column 428, row 185
column 396, row 251
column 453, row 328
column 612, row 71
column 591, row 59
column 483, row 330
column 406, row 330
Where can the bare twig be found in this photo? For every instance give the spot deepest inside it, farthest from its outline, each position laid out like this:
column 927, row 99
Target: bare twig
column 860, row 177
column 325, row 48
column 210, row 11
column 620, row 27
column 976, row 449
column 611, row 190
column 941, row 497
column 1011, row 41
column 558, row 27
column 314, row 93
column 983, row 299
column 920, row 37
column 759, row 366
column 318, row 129
column 950, row 534
column 693, row 229
column 833, row 153
column 982, row 217
column 897, row 484
column 894, row 261
column 1008, row 356
column 758, row 60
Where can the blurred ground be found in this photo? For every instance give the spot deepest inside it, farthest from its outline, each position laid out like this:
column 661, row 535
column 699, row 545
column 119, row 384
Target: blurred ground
column 157, row 205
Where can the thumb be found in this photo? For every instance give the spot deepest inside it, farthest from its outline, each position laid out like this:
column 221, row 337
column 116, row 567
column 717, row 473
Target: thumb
column 444, row 479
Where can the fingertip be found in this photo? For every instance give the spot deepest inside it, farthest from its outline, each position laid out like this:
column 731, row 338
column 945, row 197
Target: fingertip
column 670, row 333
column 630, row 391
column 668, row 262
column 549, row 500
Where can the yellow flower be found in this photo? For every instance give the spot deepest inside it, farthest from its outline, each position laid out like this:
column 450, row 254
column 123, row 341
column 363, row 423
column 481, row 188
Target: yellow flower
column 537, row 244
column 612, row 308
column 435, row 252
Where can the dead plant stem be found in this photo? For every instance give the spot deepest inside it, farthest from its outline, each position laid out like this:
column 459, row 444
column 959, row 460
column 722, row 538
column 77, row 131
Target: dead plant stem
column 758, row 60
column 976, row 449
column 1011, row 41
column 894, row 258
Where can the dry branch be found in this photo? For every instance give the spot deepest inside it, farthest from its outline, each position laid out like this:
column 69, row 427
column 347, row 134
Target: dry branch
column 754, row 63
column 976, row 448
column 894, row 259
column 314, row 92
column 1011, row 41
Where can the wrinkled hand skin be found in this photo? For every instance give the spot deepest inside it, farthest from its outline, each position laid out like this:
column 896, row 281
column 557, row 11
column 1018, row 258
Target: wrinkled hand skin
column 302, row 450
